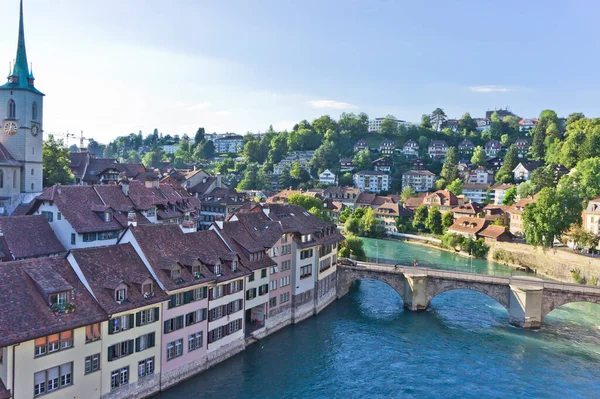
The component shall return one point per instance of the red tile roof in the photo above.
(29, 237)
(492, 231)
(105, 268)
(466, 224)
(24, 289)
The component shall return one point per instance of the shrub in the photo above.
(577, 277)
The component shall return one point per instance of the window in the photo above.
(173, 324)
(144, 342)
(176, 274)
(107, 235)
(73, 238)
(263, 273)
(122, 349)
(286, 265)
(273, 302)
(119, 377)
(59, 216)
(195, 341)
(263, 289)
(92, 332)
(12, 109)
(147, 289)
(305, 271)
(53, 343)
(199, 293)
(34, 114)
(217, 313)
(217, 269)
(234, 266)
(48, 215)
(250, 294)
(32, 172)
(146, 367)
(31, 186)
(274, 269)
(121, 295)
(120, 323)
(273, 285)
(147, 316)
(52, 379)
(59, 299)
(307, 253)
(196, 317)
(285, 297)
(89, 237)
(14, 179)
(217, 292)
(174, 349)
(176, 300)
(284, 281)
(284, 239)
(251, 277)
(92, 363)
(286, 249)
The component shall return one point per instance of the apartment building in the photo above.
(372, 181)
(419, 180)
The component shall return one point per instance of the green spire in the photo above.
(21, 68)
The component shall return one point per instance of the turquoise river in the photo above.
(366, 345)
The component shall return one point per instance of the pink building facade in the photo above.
(280, 286)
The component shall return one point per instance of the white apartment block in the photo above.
(372, 181)
(419, 180)
(375, 124)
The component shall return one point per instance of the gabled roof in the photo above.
(28, 237)
(530, 166)
(105, 268)
(492, 231)
(470, 208)
(393, 209)
(418, 173)
(466, 224)
(26, 313)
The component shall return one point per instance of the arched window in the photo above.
(12, 109)
(34, 111)
(14, 179)
(31, 186)
(1, 178)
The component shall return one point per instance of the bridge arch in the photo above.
(500, 293)
(347, 276)
(554, 299)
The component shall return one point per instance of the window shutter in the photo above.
(187, 297)
(187, 319)
(151, 340)
(131, 320)
(248, 295)
(130, 345)
(172, 302)
(204, 314)
(205, 292)
(156, 313)
(179, 322)
(138, 319)
(137, 344)
(228, 308)
(110, 353)
(111, 327)
(166, 326)
(211, 292)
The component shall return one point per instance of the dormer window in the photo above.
(234, 265)
(147, 289)
(107, 217)
(58, 299)
(218, 269)
(121, 295)
(176, 273)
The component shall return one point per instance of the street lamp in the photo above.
(377, 247)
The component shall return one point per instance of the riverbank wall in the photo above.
(554, 263)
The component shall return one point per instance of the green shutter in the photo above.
(131, 320)
(151, 340)
(110, 353)
(138, 319)
(172, 302)
(111, 327)
(205, 292)
(156, 313)
(179, 322)
(137, 344)
(187, 319)
(187, 297)
(166, 326)
(131, 347)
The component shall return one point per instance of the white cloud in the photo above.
(203, 105)
(331, 104)
(490, 89)
(223, 113)
(283, 125)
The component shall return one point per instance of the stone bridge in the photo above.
(527, 299)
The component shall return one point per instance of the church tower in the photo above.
(21, 115)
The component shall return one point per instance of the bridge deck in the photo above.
(523, 281)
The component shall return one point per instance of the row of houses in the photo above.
(160, 305)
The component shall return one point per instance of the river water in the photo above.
(367, 345)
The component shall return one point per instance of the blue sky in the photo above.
(119, 66)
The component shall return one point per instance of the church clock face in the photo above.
(35, 130)
(10, 128)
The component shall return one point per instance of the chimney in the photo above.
(219, 180)
(125, 187)
(131, 217)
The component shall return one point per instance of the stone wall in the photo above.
(303, 306)
(280, 318)
(183, 372)
(143, 387)
(554, 263)
(225, 352)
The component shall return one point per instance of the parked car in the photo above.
(347, 261)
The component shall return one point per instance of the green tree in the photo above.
(527, 189)
(323, 124)
(420, 217)
(306, 201)
(552, 214)
(447, 220)
(326, 157)
(511, 160)
(199, 136)
(389, 126)
(278, 148)
(450, 168)
(467, 124)
(456, 186)
(133, 157)
(152, 158)
(356, 247)
(251, 151)
(407, 192)
(368, 222)
(510, 196)
(451, 241)
(426, 121)
(345, 214)
(251, 179)
(352, 225)
(362, 160)
(434, 221)
(478, 158)
(438, 119)
(285, 180)
(346, 179)
(56, 162)
(585, 179)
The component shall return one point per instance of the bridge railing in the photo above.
(467, 268)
